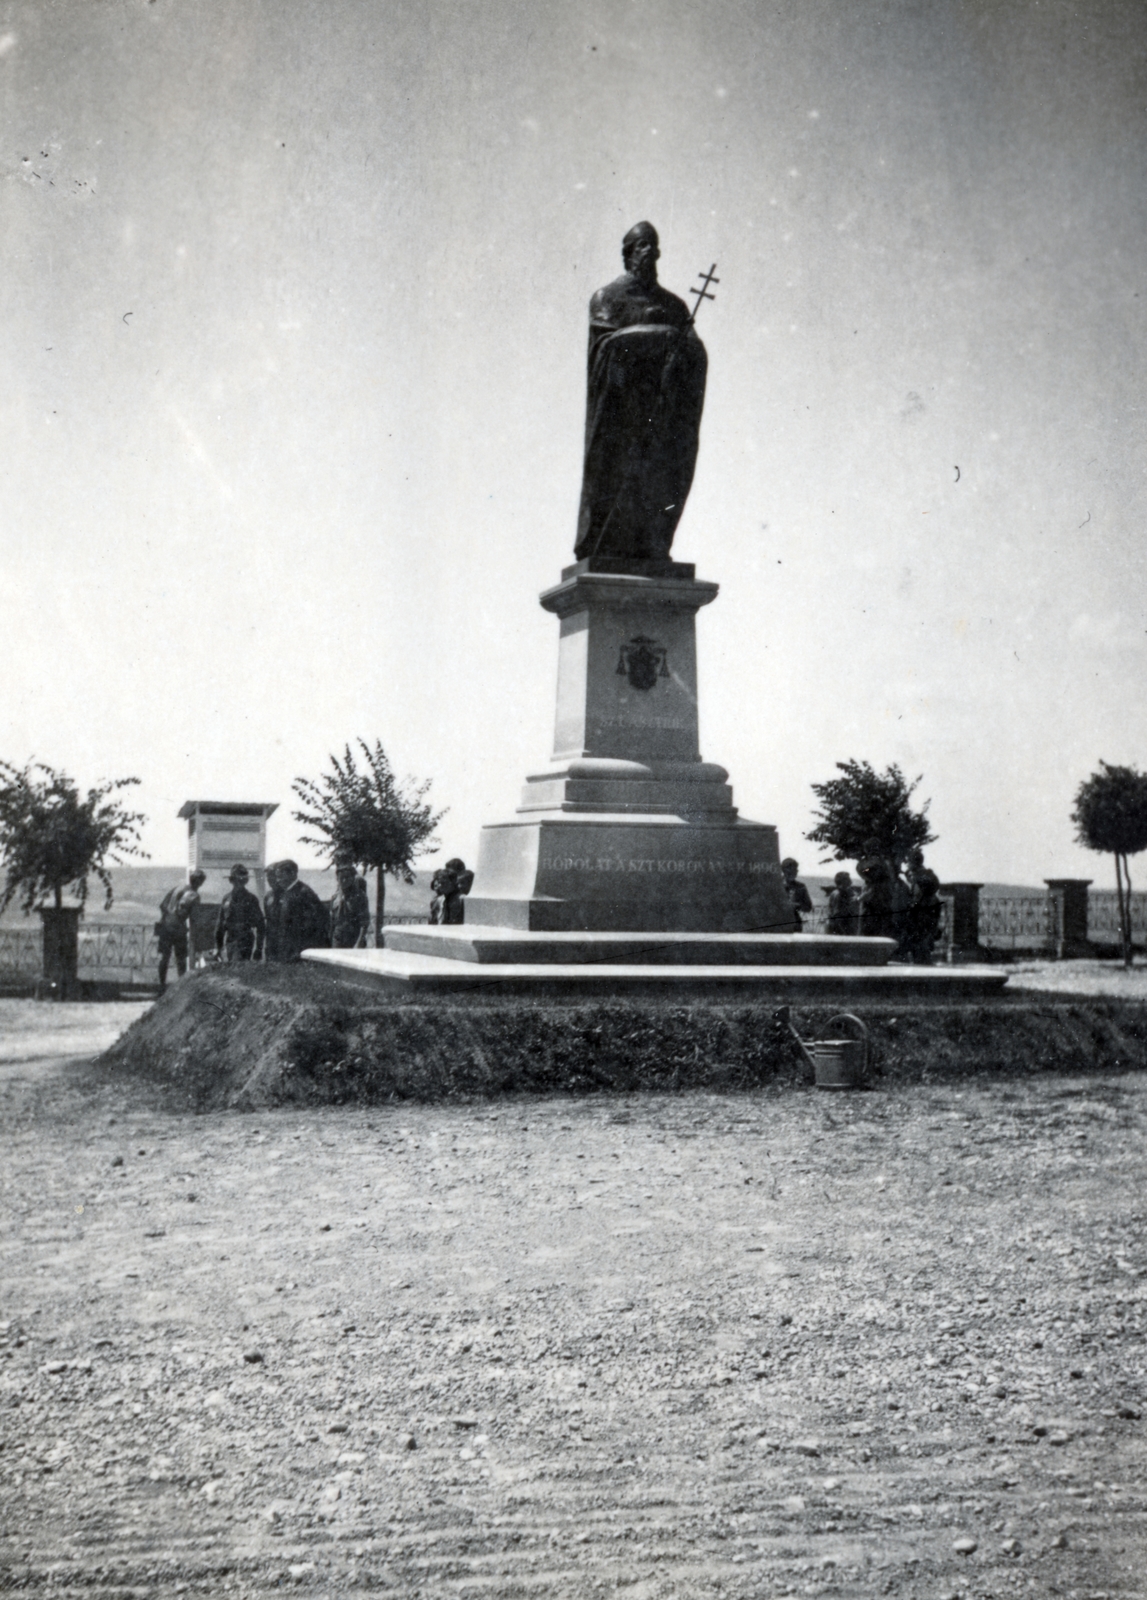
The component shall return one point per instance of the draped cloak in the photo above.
(645, 391)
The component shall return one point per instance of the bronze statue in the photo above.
(645, 392)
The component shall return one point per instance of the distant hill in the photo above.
(138, 891)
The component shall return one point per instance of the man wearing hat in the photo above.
(241, 927)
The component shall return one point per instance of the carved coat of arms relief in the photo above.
(643, 661)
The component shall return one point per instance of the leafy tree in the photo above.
(368, 817)
(51, 839)
(865, 804)
(1111, 814)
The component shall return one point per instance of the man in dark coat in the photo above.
(241, 926)
(304, 922)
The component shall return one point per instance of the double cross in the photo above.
(702, 292)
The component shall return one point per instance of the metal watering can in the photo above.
(837, 1063)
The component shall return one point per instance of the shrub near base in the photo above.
(276, 1036)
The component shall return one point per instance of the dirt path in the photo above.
(751, 1345)
(42, 1029)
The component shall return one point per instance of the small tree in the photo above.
(368, 817)
(1111, 814)
(52, 840)
(865, 804)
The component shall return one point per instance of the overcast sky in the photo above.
(294, 318)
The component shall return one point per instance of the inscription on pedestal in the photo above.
(651, 864)
(644, 722)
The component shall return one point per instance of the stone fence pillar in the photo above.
(62, 950)
(965, 898)
(1069, 898)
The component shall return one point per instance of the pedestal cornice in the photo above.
(617, 591)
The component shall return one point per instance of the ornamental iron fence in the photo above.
(21, 952)
(1018, 922)
(1103, 915)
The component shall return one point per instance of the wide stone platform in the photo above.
(411, 974)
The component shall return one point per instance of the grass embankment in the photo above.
(295, 1036)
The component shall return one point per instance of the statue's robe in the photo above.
(645, 392)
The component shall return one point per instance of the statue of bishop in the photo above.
(645, 392)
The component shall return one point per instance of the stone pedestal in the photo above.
(965, 898)
(628, 829)
(62, 950)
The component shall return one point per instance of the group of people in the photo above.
(887, 906)
(290, 919)
(448, 886)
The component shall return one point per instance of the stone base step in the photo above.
(475, 943)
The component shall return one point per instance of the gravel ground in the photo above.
(748, 1345)
(1091, 978)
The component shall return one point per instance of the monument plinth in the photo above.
(628, 829)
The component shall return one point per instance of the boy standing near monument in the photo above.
(272, 912)
(843, 906)
(171, 930)
(350, 910)
(799, 898)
